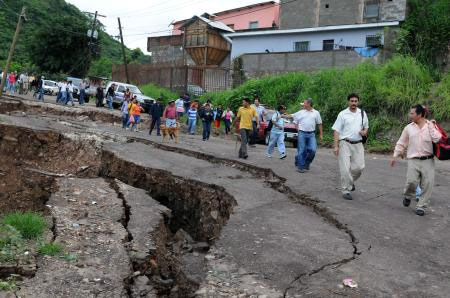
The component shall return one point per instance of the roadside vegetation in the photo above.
(21, 237)
(155, 91)
(387, 92)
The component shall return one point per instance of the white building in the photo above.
(309, 39)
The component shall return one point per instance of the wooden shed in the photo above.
(204, 42)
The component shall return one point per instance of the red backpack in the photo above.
(442, 148)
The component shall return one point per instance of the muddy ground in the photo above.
(138, 218)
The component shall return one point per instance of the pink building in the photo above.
(257, 16)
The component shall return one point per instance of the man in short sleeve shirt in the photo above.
(350, 126)
(245, 115)
(307, 119)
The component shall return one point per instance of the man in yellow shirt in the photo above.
(245, 116)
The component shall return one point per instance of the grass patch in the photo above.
(155, 91)
(50, 249)
(30, 224)
(69, 257)
(12, 244)
(8, 285)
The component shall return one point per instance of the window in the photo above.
(371, 10)
(253, 25)
(327, 5)
(328, 45)
(373, 41)
(121, 89)
(301, 46)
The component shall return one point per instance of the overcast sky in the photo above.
(143, 18)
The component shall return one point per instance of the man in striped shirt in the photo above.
(192, 119)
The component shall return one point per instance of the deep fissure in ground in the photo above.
(146, 182)
(32, 160)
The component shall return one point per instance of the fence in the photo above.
(179, 78)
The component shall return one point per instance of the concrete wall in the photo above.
(298, 14)
(340, 12)
(393, 10)
(258, 65)
(313, 13)
(285, 42)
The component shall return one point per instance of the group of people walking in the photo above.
(15, 82)
(194, 111)
(350, 133)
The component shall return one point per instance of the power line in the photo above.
(219, 20)
(165, 10)
(136, 10)
(148, 33)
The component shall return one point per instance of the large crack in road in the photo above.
(200, 209)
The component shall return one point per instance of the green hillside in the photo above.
(54, 40)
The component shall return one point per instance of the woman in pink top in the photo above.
(228, 117)
(170, 115)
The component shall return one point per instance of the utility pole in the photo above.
(11, 50)
(123, 52)
(93, 27)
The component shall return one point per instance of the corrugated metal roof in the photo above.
(314, 29)
(214, 24)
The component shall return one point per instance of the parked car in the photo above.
(290, 130)
(145, 101)
(76, 83)
(50, 87)
(195, 90)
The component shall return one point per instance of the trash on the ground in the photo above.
(94, 203)
(349, 282)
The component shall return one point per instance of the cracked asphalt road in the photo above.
(302, 253)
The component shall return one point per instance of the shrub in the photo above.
(155, 91)
(440, 104)
(50, 249)
(11, 243)
(29, 224)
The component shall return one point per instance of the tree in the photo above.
(426, 31)
(62, 47)
(101, 68)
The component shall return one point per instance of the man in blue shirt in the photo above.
(277, 133)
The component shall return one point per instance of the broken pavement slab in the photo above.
(145, 215)
(95, 263)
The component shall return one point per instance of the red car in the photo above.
(290, 130)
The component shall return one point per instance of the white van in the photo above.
(145, 101)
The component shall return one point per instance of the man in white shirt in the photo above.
(350, 127)
(261, 112)
(69, 93)
(307, 119)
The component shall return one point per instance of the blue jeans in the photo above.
(192, 126)
(125, 120)
(109, 101)
(206, 130)
(276, 138)
(41, 94)
(69, 97)
(58, 96)
(306, 149)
